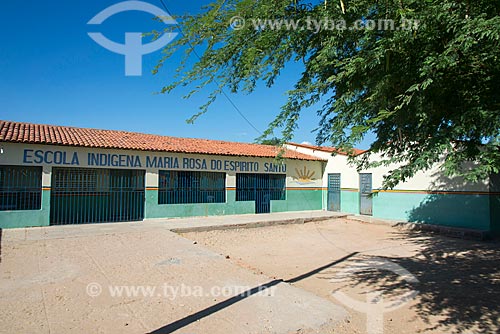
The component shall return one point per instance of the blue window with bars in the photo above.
(183, 187)
(250, 186)
(20, 188)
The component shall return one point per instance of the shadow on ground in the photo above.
(176, 325)
(459, 282)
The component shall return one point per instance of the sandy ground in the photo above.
(65, 280)
(389, 279)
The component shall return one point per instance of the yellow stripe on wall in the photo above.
(349, 189)
(427, 192)
(399, 191)
(435, 192)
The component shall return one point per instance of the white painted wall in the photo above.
(430, 180)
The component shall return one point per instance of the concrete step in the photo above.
(263, 223)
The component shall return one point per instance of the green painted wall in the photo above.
(349, 201)
(231, 207)
(27, 218)
(299, 200)
(470, 211)
(324, 199)
(495, 214)
(495, 203)
(397, 205)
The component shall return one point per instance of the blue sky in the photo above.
(51, 72)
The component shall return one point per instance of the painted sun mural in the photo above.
(304, 175)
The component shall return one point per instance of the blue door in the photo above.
(262, 194)
(333, 199)
(365, 194)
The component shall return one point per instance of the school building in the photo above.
(54, 175)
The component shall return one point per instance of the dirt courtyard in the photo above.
(143, 278)
(425, 283)
(333, 276)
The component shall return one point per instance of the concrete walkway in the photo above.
(176, 224)
(143, 278)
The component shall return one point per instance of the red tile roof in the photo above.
(29, 133)
(328, 149)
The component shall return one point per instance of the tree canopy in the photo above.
(424, 77)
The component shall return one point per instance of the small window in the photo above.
(183, 187)
(79, 180)
(20, 188)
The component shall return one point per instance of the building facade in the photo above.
(53, 175)
(429, 197)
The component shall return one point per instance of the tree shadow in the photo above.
(176, 325)
(459, 282)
